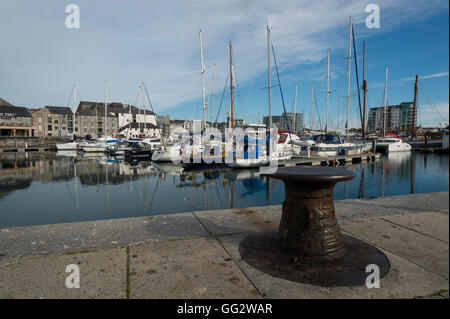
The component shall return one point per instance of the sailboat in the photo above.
(285, 144)
(173, 151)
(329, 144)
(390, 143)
(102, 143)
(70, 146)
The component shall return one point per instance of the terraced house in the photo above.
(15, 121)
(121, 119)
(54, 121)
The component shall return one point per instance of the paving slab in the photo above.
(404, 280)
(435, 225)
(192, 268)
(393, 205)
(427, 252)
(59, 238)
(102, 275)
(425, 202)
(239, 220)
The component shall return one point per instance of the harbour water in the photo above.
(37, 189)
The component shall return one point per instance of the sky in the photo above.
(157, 42)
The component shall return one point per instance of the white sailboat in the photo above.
(173, 150)
(333, 144)
(70, 146)
(386, 143)
(102, 143)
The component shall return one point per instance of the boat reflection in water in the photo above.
(66, 187)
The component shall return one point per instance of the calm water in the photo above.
(43, 189)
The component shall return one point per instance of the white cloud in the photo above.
(127, 42)
(432, 115)
(412, 79)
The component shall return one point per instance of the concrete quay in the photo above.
(196, 254)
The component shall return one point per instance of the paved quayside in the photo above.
(196, 255)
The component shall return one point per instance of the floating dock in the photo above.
(339, 160)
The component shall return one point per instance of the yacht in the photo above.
(99, 145)
(168, 153)
(332, 145)
(392, 144)
(71, 146)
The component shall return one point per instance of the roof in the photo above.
(3, 102)
(17, 111)
(59, 110)
(135, 125)
(88, 108)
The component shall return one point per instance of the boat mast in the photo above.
(349, 67)
(364, 87)
(269, 77)
(231, 88)
(294, 127)
(385, 104)
(106, 109)
(212, 94)
(131, 119)
(139, 109)
(203, 79)
(328, 91)
(312, 106)
(74, 110)
(145, 109)
(413, 129)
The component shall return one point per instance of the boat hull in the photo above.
(94, 149)
(67, 146)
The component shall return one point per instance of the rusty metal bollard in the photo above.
(309, 246)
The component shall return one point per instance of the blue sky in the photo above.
(157, 42)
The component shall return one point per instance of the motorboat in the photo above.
(153, 142)
(71, 146)
(99, 145)
(392, 144)
(289, 142)
(168, 153)
(139, 151)
(333, 145)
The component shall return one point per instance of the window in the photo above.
(49, 134)
(56, 121)
(49, 128)
(49, 119)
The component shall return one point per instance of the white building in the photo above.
(90, 120)
(139, 130)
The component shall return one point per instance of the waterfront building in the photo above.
(399, 118)
(286, 120)
(136, 130)
(53, 121)
(90, 118)
(15, 120)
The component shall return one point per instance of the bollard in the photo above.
(309, 247)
